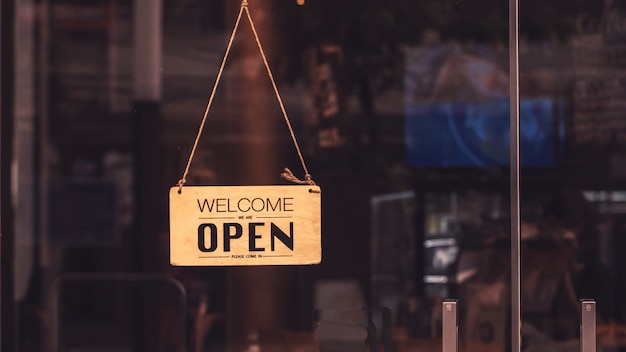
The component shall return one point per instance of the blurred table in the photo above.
(417, 345)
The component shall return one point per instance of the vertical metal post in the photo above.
(588, 326)
(450, 327)
(515, 177)
(146, 115)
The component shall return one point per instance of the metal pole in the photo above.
(588, 326)
(515, 177)
(450, 327)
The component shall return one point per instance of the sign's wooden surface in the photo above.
(245, 225)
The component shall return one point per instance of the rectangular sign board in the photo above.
(245, 225)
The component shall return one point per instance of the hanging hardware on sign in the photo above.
(287, 174)
(246, 225)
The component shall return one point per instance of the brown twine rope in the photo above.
(287, 174)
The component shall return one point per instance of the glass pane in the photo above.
(570, 59)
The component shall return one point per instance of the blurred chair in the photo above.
(140, 280)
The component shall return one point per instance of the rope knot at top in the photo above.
(244, 3)
(289, 176)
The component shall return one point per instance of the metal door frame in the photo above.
(516, 320)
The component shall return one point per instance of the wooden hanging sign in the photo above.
(245, 225)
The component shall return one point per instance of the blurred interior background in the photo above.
(402, 111)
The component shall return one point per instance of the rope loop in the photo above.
(180, 184)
